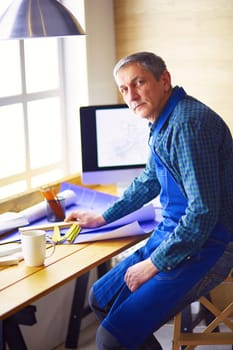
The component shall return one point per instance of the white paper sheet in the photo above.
(131, 229)
(11, 220)
(146, 213)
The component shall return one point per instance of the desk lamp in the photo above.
(37, 19)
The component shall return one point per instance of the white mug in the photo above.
(34, 247)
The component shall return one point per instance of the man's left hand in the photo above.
(139, 273)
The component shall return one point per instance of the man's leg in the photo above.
(210, 280)
(100, 313)
(164, 287)
(151, 343)
(105, 340)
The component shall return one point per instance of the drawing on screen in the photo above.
(122, 139)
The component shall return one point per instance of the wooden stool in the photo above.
(207, 337)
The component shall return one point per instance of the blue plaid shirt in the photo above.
(197, 148)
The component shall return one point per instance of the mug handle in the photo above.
(49, 239)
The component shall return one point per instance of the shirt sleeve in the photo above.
(142, 190)
(195, 162)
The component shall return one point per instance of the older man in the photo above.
(191, 167)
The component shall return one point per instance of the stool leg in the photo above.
(176, 332)
(208, 316)
(186, 319)
(186, 322)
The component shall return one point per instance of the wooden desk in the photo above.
(21, 285)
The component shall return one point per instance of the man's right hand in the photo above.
(86, 218)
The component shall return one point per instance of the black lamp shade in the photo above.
(38, 18)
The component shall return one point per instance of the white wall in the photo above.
(100, 51)
(88, 67)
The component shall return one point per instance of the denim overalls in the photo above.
(135, 315)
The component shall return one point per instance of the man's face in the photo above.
(144, 95)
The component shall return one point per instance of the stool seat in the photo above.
(208, 336)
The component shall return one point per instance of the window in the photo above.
(30, 115)
(33, 125)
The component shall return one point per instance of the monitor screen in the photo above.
(114, 144)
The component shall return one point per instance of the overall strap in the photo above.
(178, 94)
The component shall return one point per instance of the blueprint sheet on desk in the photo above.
(139, 222)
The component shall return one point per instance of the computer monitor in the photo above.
(114, 144)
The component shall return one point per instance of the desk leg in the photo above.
(103, 268)
(2, 338)
(13, 335)
(10, 332)
(76, 315)
(78, 311)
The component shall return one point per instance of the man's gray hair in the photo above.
(147, 60)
